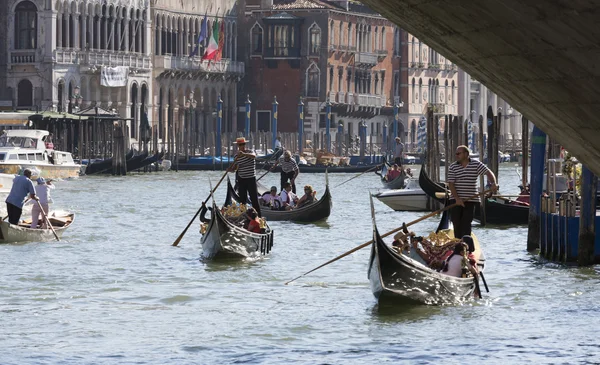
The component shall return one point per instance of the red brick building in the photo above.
(318, 50)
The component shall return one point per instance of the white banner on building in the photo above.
(114, 76)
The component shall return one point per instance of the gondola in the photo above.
(317, 211)
(330, 168)
(136, 162)
(223, 239)
(398, 278)
(98, 167)
(397, 183)
(497, 211)
(23, 233)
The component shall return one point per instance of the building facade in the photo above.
(320, 51)
(58, 52)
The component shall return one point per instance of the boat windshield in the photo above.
(23, 142)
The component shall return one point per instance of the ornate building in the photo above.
(125, 56)
(339, 51)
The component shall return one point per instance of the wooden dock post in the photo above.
(587, 218)
(483, 220)
(538, 152)
(524, 149)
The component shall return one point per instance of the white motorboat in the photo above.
(411, 198)
(27, 149)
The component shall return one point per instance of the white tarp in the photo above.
(114, 76)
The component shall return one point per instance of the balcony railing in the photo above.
(23, 56)
(363, 100)
(341, 97)
(352, 49)
(350, 98)
(367, 59)
(197, 64)
(106, 58)
(332, 96)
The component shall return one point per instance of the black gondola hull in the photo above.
(396, 277)
(315, 212)
(224, 240)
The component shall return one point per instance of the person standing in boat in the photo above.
(289, 170)
(462, 180)
(398, 152)
(43, 193)
(246, 174)
(22, 187)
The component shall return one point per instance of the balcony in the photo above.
(366, 59)
(438, 108)
(197, 64)
(351, 49)
(282, 52)
(23, 56)
(362, 100)
(381, 54)
(349, 99)
(102, 58)
(331, 96)
(341, 97)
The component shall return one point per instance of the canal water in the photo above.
(115, 291)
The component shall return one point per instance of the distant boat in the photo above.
(410, 198)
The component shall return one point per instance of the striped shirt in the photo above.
(246, 166)
(288, 166)
(465, 178)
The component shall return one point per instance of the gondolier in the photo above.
(398, 152)
(246, 174)
(21, 188)
(289, 170)
(462, 180)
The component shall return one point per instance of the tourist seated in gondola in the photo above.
(408, 244)
(288, 198)
(309, 197)
(455, 264)
(253, 223)
(271, 199)
(393, 173)
(523, 198)
(409, 172)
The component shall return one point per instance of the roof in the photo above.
(15, 118)
(56, 115)
(31, 133)
(300, 4)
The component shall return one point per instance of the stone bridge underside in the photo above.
(542, 56)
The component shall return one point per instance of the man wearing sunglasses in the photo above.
(462, 180)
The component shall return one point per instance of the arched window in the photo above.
(420, 91)
(24, 94)
(315, 39)
(396, 42)
(25, 25)
(313, 75)
(382, 47)
(331, 33)
(415, 96)
(341, 34)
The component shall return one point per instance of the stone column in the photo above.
(67, 31)
(98, 34)
(84, 28)
(126, 36)
(59, 18)
(159, 41)
(76, 33)
(118, 32)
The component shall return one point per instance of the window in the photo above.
(281, 40)
(323, 121)
(414, 91)
(332, 34)
(25, 25)
(331, 79)
(350, 35)
(312, 81)
(315, 39)
(341, 34)
(257, 39)
(397, 42)
(382, 47)
(396, 83)
(24, 94)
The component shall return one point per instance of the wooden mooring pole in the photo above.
(587, 218)
(538, 152)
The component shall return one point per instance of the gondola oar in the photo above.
(198, 212)
(47, 220)
(352, 178)
(484, 282)
(263, 166)
(385, 235)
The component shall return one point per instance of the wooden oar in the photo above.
(352, 178)
(47, 220)
(484, 282)
(385, 235)
(263, 175)
(198, 212)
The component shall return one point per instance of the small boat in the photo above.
(314, 212)
(23, 233)
(330, 168)
(397, 183)
(223, 239)
(497, 210)
(26, 149)
(411, 198)
(136, 162)
(396, 277)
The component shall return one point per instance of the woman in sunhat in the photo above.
(246, 174)
(42, 190)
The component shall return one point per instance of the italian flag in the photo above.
(212, 50)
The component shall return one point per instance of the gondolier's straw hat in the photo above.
(241, 140)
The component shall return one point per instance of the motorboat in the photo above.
(22, 149)
(411, 198)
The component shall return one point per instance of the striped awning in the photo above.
(15, 119)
